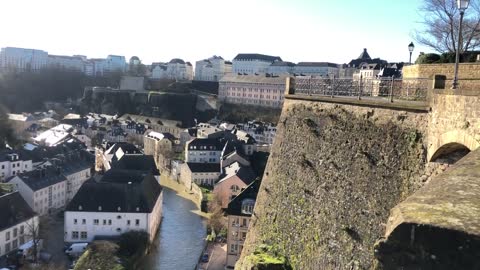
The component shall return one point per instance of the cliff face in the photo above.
(334, 173)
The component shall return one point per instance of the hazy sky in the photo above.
(158, 30)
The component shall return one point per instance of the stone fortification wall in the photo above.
(469, 74)
(334, 173)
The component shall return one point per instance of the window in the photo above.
(234, 188)
(128, 222)
(75, 221)
(84, 221)
(15, 232)
(247, 206)
(7, 236)
(104, 222)
(119, 217)
(83, 235)
(74, 235)
(22, 240)
(109, 222)
(95, 222)
(244, 222)
(7, 247)
(22, 229)
(15, 243)
(119, 230)
(137, 222)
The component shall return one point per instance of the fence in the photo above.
(386, 88)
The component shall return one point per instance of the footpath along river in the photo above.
(180, 241)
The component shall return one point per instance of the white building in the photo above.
(12, 164)
(22, 59)
(43, 189)
(18, 222)
(323, 69)
(263, 133)
(121, 201)
(48, 188)
(55, 135)
(204, 150)
(257, 90)
(251, 63)
(281, 67)
(176, 69)
(202, 174)
(66, 62)
(212, 69)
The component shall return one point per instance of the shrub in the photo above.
(428, 58)
(132, 242)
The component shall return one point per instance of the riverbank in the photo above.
(183, 192)
(181, 239)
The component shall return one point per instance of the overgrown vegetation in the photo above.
(6, 131)
(235, 113)
(100, 255)
(268, 257)
(46, 85)
(433, 58)
(132, 247)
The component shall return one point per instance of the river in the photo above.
(180, 241)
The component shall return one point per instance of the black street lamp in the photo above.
(462, 5)
(410, 49)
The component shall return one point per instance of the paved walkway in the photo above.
(217, 257)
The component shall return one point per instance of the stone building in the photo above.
(258, 90)
(252, 63)
(239, 212)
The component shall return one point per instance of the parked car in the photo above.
(204, 258)
(76, 250)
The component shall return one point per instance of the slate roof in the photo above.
(282, 64)
(203, 144)
(250, 192)
(4, 155)
(316, 64)
(177, 61)
(14, 210)
(256, 56)
(144, 163)
(42, 178)
(203, 167)
(364, 55)
(117, 196)
(127, 148)
(244, 173)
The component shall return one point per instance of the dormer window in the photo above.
(138, 209)
(234, 188)
(80, 207)
(247, 206)
(99, 208)
(119, 209)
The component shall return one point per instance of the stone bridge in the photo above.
(368, 183)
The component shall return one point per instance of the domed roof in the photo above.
(134, 58)
(177, 61)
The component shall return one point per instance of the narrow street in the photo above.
(53, 234)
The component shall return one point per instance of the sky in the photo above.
(159, 30)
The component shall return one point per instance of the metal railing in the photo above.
(386, 88)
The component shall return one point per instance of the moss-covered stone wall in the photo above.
(334, 173)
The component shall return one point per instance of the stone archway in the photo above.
(451, 141)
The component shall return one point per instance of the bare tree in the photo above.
(32, 231)
(441, 21)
